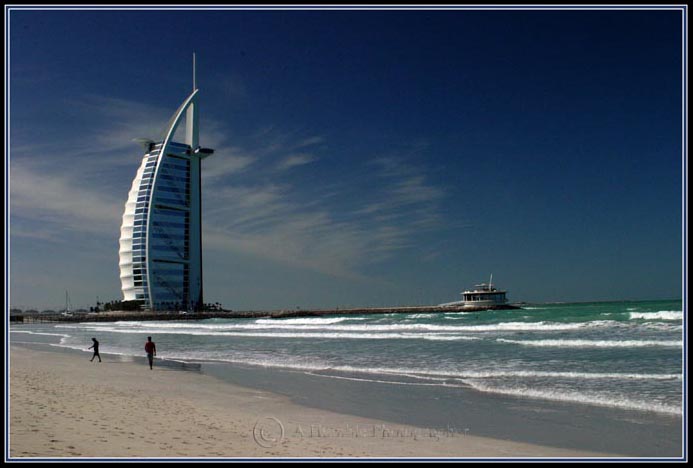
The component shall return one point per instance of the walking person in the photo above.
(96, 350)
(150, 349)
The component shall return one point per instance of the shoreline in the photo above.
(62, 405)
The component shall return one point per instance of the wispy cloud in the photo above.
(231, 161)
(114, 123)
(310, 141)
(273, 221)
(295, 160)
(252, 203)
(60, 205)
(405, 191)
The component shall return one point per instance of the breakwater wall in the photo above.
(113, 316)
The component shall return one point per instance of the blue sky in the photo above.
(362, 157)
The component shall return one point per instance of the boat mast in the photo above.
(490, 282)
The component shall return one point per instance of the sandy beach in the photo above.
(62, 405)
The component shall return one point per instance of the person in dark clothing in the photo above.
(150, 349)
(96, 350)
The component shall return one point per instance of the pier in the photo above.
(113, 316)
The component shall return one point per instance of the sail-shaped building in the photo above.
(160, 237)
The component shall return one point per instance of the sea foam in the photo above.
(166, 327)
(594, 343)
(590, 398)
(661, 315)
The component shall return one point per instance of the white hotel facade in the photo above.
(160, 237)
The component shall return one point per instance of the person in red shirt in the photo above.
(150, 349)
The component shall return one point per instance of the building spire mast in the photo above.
(194, 81)
(192, 119)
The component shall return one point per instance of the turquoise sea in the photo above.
(625, 355)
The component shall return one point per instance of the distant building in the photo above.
(161, 238)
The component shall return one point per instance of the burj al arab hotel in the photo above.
(160, 237)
